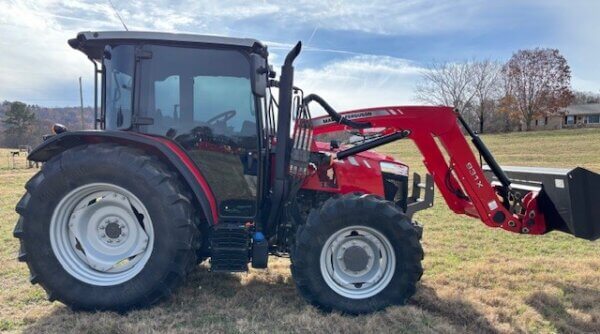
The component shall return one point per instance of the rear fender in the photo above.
(165, 149)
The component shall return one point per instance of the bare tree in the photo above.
(486, 87)
(470, 86)
(537, 84)
(449, 84)
(585, 97)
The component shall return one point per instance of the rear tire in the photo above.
(151, 228)
(357, 254)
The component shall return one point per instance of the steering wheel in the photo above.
(222, 117)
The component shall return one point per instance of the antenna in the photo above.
(117, 13)
(81, 100)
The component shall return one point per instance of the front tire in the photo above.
(357, 254)
(106, 227)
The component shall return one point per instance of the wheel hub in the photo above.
(357, 258)
(113, 231)
(357, 262)
(109, 235)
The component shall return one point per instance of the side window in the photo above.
(226, 104)
(118, 78)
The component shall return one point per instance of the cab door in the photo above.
(203, 100)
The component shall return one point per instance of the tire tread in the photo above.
(165, 181)
(337, 211)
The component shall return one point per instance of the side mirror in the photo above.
(260, 72)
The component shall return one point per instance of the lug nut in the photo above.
(511, 223)
(525, 230)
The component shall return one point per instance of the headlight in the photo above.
(393, 168)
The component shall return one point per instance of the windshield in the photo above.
(118, 80)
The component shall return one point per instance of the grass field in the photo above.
(476, 279)
(10, 161)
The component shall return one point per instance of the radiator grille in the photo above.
(396, 189)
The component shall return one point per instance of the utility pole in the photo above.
(81, 100)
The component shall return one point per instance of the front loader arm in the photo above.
(459, 177)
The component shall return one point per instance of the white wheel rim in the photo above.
(101, 234)
(357, 262)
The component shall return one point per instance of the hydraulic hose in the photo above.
(334, 114)
(486, 154)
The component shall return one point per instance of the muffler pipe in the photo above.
(283, 149)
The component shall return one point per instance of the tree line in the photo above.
(494, 96)
(23, 124)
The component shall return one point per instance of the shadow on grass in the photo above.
(577, 310)
(456, 311)
(260, 302)
(205, 302)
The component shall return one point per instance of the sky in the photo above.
(356, 53)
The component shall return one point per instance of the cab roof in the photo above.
(92, 43)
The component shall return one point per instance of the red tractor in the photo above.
(194, 158)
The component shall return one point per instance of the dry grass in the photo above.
(9, 161)
(476, 279)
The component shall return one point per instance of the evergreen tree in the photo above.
(18, 120)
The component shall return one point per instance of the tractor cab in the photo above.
(204, 93)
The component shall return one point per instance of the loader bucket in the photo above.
(569, 198)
